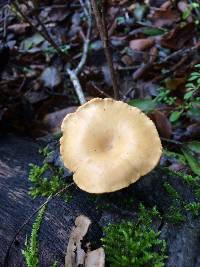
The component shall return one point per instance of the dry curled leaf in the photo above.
(76, 256)
(162, 123)
(52, 121)
(177, 38)
(163, 16)
(51, 77)
(95, 258)
(141, 44)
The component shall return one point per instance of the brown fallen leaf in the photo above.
(52, 121)
(164, 15)
(18, 28)
(177, 38)
(162, 123)
(141, 44)
(127, 60)
(176, 83)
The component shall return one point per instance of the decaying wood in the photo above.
(16, 206)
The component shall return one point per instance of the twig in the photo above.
(101, 25)
(77, 86)
(181, 53)
(171, 141)
(88, 12)
(6, 260)
(100, 91)
(5, 16)
(73, 74)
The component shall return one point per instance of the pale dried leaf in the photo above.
(51, 77)
(75, 254)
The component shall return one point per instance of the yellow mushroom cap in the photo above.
(108, 145)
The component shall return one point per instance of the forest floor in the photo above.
(155, 51)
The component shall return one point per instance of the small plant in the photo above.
(45, 151)
(135, 243)
(194, 208)
(175, 212)
(188, 11)
(171, 191)
(42, 186)
(175, 215)
(193, 84)
(31, 251)
(190, 101)
(174, 155)
(164, 97)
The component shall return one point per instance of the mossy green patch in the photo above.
(135, 243)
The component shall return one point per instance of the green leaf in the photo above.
(188, 95)
(194, 146)
(153, 31)
(190, 85)
(191, 160)
(193, 77)
(194, 110)
(31, 42)
(175, 115)
(143, 104)
(186, 13)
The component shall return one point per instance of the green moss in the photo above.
(175, 211)
(179, 206)
(175, 215)
(135, 243)
(171, 191)
(31, 251)
(179, 157)
(43, 186)
(194, 208)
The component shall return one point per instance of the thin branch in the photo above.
(171, 141)
(100, 91)
(50, 198)
(87, 12)
(73, 74)
(77, 86)
(44, 34)
(101, 25)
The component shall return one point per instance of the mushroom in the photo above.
(108, 145)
